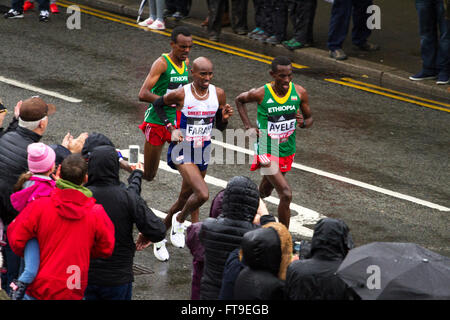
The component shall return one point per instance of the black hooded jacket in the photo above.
(262, 255)
(13, 162)
(125, 207)
(315, 278)
(222, 235)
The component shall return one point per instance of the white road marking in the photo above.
(304, 215)
(39, 90)
(343, 179)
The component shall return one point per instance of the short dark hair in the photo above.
(280, 61)
(74, 168)
(179, 30)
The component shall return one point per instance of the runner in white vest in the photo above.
(202, 105)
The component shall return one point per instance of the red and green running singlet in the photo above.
(173, 78)
(277, 122)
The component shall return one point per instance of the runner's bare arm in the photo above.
(158, 68)
(253, 95)
(304, 107)
(175, 97)
(225, 110)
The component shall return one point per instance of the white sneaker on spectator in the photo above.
(160, 250)
(146, 22)
(157, 25)
(177, 232)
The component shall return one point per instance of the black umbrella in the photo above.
(141, 9)
(388, 270)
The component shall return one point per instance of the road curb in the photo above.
(373, 72)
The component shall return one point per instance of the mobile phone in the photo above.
(133, 159)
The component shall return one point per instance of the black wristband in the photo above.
(158, 104)
(303, 125)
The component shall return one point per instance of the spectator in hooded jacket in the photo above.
(70, 228)
(111, 278)
(315, 278)
(222, 235)
(235, 263)
(267, 252)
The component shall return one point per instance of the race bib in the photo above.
(281, 127)
(199, 130)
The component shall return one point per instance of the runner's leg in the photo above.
(279, 182)
(152, 156)
(195, 179)
(185, 193)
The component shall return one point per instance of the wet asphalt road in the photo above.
(377, 140)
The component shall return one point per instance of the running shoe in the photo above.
(272, 40)
(177, 232)
(294, 44)
(442, 79)
(28, 5)
(157, 25)
(423, 76)
(54, 8)
(179, 16)
(367, 46)
(160, 250)
(13, 14)
(44, 15)
(146, 23)
(338, 54)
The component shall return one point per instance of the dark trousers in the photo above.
(18, 5)
(183, 6)
(258, 6)
(216, 9)
(341, 13)
(302, 13)
(434, 44)
(275, 18)
(12, 265)
(239, 15)
(122, 292)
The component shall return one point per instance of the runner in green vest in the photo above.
(281, 106)
(167, 73)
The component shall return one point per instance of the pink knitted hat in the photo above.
(41, 157)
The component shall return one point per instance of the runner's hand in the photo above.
(227, 112)
(177, 135)
(300, 119)
(253, 132)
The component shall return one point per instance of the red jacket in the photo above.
(70, 229)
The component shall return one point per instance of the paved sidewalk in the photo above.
(390, 67)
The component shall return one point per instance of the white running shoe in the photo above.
(146, 22)
(177, 232)
(160, 250)
(157, 25)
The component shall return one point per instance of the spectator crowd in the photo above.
(67, 221)
(67, 227)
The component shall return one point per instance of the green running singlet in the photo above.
(277, 122)
(173, 78)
